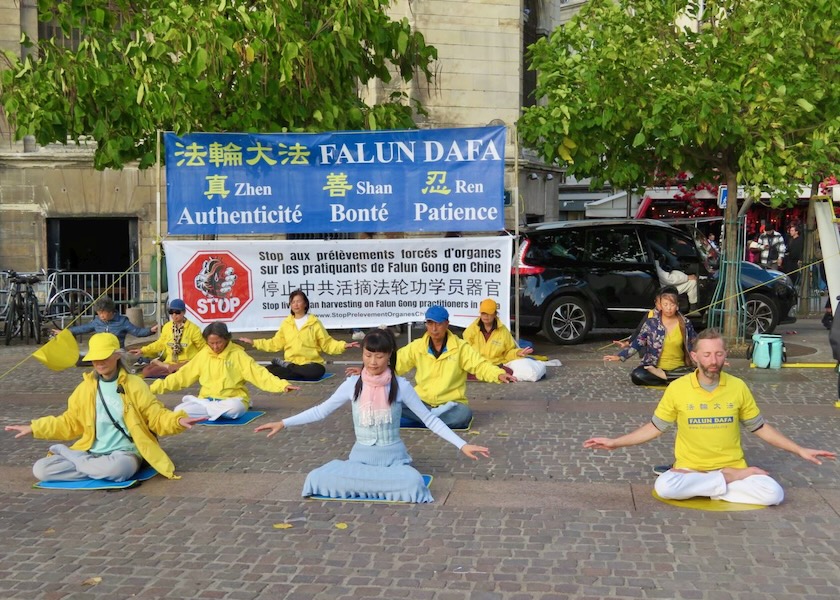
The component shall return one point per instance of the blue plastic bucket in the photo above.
(768, 351)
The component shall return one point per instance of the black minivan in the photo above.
(576, 275)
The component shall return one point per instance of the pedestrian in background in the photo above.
(773, 248)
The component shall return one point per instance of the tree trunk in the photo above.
(733, 254)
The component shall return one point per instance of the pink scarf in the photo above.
(373, 399)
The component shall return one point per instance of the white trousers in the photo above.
(755, 489)
(212, 408)
(73, 465)
(680, 281)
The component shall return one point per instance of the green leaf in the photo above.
(402, 42)
(639, 139)
(805, 105)
(200, 63)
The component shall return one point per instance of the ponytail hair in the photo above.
(381, 340)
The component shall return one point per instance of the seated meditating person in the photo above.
(657, 307)
(442, 361)
(108, 320)
(302, 338)
(179, 342)
(222, 368)
(666, 337)
(116, 418)
(379, 466)
(709, 407)
(488, 335)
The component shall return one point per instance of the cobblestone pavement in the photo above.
(541, 519)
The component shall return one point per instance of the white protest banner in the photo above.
(349, 283)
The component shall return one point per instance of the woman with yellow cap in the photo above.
(116, 418)
(491, 338)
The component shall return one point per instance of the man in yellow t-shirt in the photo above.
(708, 407)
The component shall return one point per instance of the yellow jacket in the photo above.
(221, 375)
(444, 379)
(191, 340)
(302, 346)
(499, 348)
(145, 417)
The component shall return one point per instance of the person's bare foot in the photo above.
(730, 474)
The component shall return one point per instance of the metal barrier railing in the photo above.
(132, 288)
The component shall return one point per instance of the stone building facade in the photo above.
(48, 194)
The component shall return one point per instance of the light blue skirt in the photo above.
(375, 472)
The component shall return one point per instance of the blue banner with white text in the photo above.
(431, 180)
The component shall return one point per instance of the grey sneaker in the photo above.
(659, 469)
(279, 362)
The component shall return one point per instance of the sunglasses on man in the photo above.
(172, 311)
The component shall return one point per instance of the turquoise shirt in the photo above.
(108, 438)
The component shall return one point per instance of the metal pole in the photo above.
(158, 242)
(516, 230)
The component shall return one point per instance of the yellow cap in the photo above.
(102, 346)
(488, 306)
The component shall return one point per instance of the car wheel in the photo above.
(567, 320)
(762, 314)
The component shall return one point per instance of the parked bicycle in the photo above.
(64, 306)
(21, 315)
(25, 317)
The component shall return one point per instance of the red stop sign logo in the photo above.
(216, 286)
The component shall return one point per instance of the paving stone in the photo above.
(542, 518)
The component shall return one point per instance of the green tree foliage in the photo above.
(739, 91)
(193, 65)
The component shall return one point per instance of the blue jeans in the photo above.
(457, 417)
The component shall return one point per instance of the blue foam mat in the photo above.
(427, 479)
(323, 377)
(143, 474)
(243, 420)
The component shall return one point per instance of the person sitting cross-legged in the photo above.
(222, 368)
(180, 340)
(488, 335)
(302, 338)
(709, 407)
(116, 418)
(666, 338)
(379, 465)
(442, 361)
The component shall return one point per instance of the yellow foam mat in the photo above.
(803, 366)
(700, 503)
